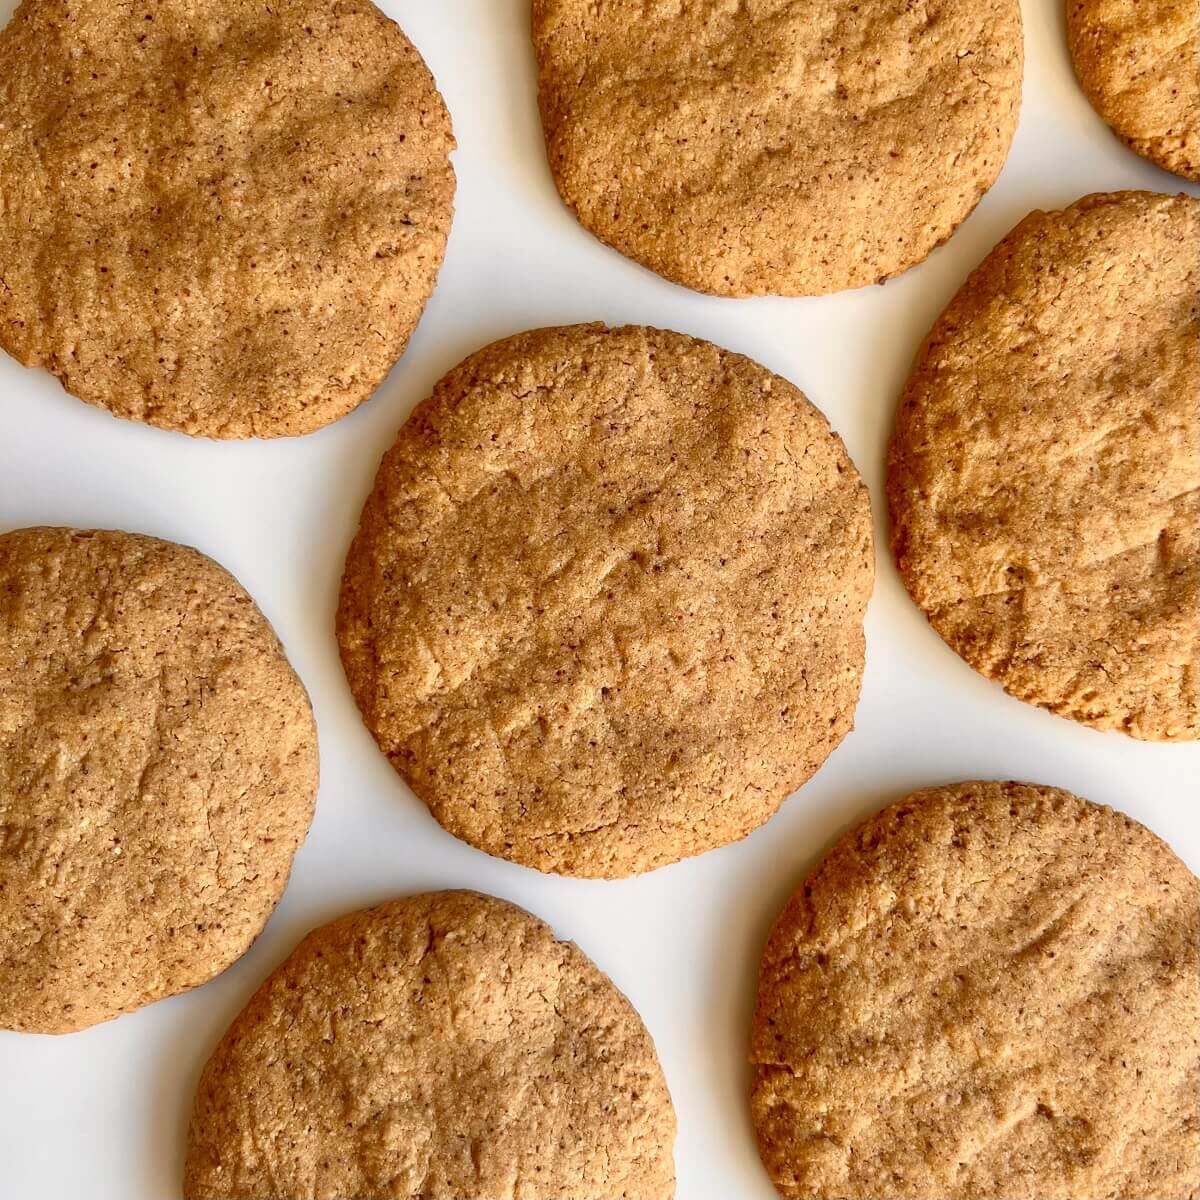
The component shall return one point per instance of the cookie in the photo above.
(773, 147)
(1138, 61)
(441, 1047)
(158, 769)
(604, 608)
(987, 990)
(1044, 477)
(220, 218)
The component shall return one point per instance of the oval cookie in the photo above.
(771, 147)
(1139, 63)
(221, 218)
(1044, 478)
(986, 990)
(604, 607)
(158, 769)
(441, 1047)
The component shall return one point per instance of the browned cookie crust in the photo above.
(1044, 480)
(1139, 63)
(221, 218)
(777, 147)
(158, 769)
(442, 1047)
(604, 609)
(989, 991)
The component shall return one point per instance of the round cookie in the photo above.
(1139, 63)
(604, 609)
(776, 148)
(441, 1047)
(221, 218)
(987, 990)
(1044, 477)
(158, 769)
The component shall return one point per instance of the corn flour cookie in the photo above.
(1138, 61)
(440, 1047)
(988, 991)
(221, 218)
(1044, 477)
(158, 769)
(604, 608)
(771, 147)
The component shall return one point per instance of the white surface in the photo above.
(101, 1115)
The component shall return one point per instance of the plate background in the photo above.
(101, 1115)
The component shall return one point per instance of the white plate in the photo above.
(102, 1115)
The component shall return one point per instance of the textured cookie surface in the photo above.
(776, 147)
(1139, 63)
(158, 769)
(988, 991)
(1044, 479)
(441, 1047)
(221, 218)
(604, 608)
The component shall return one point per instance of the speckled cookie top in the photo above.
(744, 147)
(158, 769)
(223, 218)
(604, 608)
(1139, 63)
(1044, 479)
(441, 1047)
(988, 990)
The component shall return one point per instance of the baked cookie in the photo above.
(221, 218)
(441, 1047)
(604, 609)
(1044, 478)
(158, 769)
(774, 147)
(1139, 63)
(988, 990)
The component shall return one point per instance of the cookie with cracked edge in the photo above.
(1138, 61)
(604, 607)
(158, 770)
(776, 148)
(220, 218)
(439, 1047)
(986, 990)
(1044, 475)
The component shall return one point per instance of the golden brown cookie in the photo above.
(158, 769)
(774, 147)
(988, 991)
(1044, 478)
(222, 218)
(441, 1047)
(1139, 63)
(604, 608)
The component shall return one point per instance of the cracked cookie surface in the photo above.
(604, 608)
(440, 1047)
(986, 990)
(1138, 61)
(750, 147)
(158, 770)
(1044, 477)
(220, 218)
